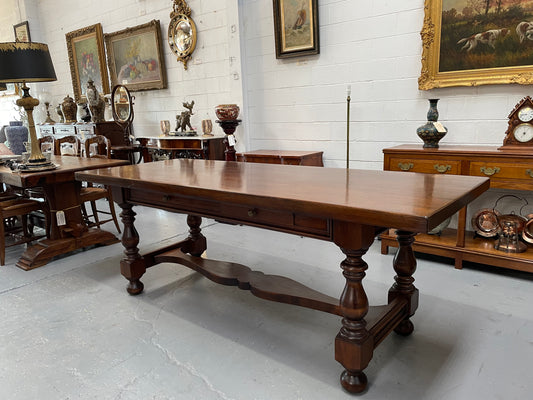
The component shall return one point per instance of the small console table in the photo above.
(506, 170)
(311, 158)
(170, 147)
(347, 207)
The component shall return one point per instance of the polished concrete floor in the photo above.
(69, 330)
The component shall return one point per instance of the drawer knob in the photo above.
(252, 212)
(405, 166)
(442, 168)
(166, 197)
(490, 171)
(529, 173)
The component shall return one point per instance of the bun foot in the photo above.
(135, 287)
(354, 383)
(405, 328)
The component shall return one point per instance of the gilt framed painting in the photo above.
(476, 42)
(296, 28)
(86, 57)
(135, 57)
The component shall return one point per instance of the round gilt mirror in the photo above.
(122, 104)
(182, 32)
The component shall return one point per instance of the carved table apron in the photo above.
(347, 207)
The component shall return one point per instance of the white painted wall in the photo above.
(375, 46)
(213, 76)
(300, 103)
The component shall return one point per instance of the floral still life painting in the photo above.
(135, 57)
(87, 60)
(474, 42)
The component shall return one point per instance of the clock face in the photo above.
(523, 133)
(525, 114)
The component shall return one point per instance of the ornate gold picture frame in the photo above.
(86, 56)
(135, 57)
(296, 28)
(468, 46)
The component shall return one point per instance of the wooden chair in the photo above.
(98, 147)
(47, 143)
(19, 208)
(73, 149)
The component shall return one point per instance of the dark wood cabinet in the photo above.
(290, 157)
(506, 170)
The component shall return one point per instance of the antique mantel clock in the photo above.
(519, 134)
(181, 32)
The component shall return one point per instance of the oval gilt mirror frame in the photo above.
(181, 32)
(122, 104)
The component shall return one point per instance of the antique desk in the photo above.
(347, 207)
(291, 157)
(510, 170)
(170, 147)
(62, 194)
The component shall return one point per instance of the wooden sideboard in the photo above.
(506, 170)
(290, 157)
(171, 147)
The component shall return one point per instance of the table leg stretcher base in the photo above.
(379, 320)
(43, 251)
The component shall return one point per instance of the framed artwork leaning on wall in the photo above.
(135, 57)
(86, 56)
(296, 28)
(468, 43)
(22, 32)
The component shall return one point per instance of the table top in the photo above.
(66, 167)
(280, 153)
(169, 137)
(415, 202)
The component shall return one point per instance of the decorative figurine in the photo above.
(60, 113)
(183, 120)
(96, 103)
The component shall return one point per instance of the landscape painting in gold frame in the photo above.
(467, 43)
(296, 28)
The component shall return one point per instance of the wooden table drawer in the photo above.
(499, 170)
(426, 166)
(285, 220)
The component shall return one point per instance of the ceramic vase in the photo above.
(432, 131)
(69, 109)
(227, 112)
(16, 135)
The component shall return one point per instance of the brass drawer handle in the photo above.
(405, 166)
(166, 197)
(252, 212)
(529, 173)
(442, 168)
(490, 171)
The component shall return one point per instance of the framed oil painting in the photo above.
(86, 56)
(22, 32)
(476, 42)
(296, 28)
(135, 57)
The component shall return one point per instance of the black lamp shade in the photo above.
(25, 62)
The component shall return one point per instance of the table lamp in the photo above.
(22, 62)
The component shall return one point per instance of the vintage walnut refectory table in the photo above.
(347, 207)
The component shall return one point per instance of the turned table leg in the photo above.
(354, 345)
(132, 266)
(197, 242)
(405, 266)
